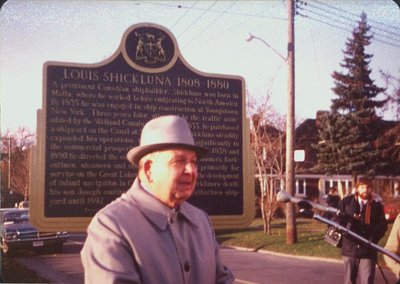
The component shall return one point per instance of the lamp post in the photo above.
(8, 164)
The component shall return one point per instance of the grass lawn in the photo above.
(310, 241)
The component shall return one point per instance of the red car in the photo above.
(391, 210)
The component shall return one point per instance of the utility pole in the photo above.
(291, 231)
(9, 164)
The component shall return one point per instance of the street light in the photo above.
(251, 37)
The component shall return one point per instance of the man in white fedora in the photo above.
(150, 234)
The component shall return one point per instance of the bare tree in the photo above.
(15, 150)
(268, 146)
(392, 93)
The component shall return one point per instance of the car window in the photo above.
(16, 217)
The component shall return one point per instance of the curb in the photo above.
(315, 258)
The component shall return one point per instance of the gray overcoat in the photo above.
(137, 239)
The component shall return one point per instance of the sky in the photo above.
(211, 36)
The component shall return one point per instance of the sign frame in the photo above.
(38, 160)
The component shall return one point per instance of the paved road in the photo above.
(265, 267)
(248, 267)
(63, 267)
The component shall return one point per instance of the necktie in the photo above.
(362, 211)
(362, 207)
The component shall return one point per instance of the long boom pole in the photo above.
(306, 204)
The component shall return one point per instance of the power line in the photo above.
(234, 26)
(250, 15)
(318, 63)
(327, 17)
(197, 19)
(210, 24)
(337, 21)
(260, 14)
(353, 14)
(347, 30)
(331, 12)
(183, 15)
(320, 12)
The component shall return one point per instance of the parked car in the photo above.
(18, 233)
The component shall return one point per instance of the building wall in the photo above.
(316, 187)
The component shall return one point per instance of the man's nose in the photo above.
(191, 168)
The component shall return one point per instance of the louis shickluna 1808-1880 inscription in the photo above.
(94, 114)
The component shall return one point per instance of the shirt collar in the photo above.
(362, 201)
(156, 211)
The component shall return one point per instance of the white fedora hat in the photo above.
(162, 133)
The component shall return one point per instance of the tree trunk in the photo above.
(264, 213)
(268, 223)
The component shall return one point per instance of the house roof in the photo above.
(306, 135)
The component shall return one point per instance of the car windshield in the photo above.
(16, 217)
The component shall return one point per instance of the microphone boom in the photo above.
(285, 197)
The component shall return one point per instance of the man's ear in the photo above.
(147, 170)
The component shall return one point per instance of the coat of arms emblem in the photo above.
(149, 48)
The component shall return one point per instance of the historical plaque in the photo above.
(93, 113)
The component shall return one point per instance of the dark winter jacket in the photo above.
(373, 231)
(333, 200)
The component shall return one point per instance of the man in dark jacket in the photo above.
(364, 216)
